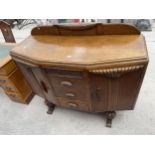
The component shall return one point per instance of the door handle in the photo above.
(97, 94)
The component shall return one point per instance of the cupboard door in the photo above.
(99, 93)
(45, 84)
(115, 93)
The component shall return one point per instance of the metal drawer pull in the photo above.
(70, 95)
(72, 104)
(66, 83)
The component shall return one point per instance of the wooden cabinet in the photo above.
(95, 68)
(12, 80)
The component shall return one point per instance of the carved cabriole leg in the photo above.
(51, 107)
(109, 116)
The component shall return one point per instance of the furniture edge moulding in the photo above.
(91, 67)
(117, 71)
(27, 62)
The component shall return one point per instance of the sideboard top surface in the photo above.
(81, 50)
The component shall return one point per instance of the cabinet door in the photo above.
(116, 93)
(45, 85)
(99, 92)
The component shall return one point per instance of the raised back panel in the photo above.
(91, 29)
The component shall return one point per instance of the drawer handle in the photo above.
(70, 95)
(2, 81)
(97, 93)
(12, 95)
(66, 83)
(72, 105)
(8, 88)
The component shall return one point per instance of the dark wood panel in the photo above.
(99, 92)
(86, 29)
(129, 86)
(115, 93)
(45, 85)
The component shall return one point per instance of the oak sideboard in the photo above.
(91, 68)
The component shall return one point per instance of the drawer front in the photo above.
(7, 85)
(74, 104)
(70, 88)
(15, 86)
(15, 82)
(9, 88)
(2, 81)
(7, 68)
(14, 96)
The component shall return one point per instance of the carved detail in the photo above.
(116, 72)
(110, 115)
(50, 106)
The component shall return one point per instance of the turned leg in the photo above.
(50, 106)
(109, 116)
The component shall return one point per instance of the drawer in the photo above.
(9, 88)
(14, 96)
(7, 84)
(69, 87)
(74, 104)
(65, 73)
(3, 81)
(7, 68)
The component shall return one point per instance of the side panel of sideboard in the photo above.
(28, 73)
